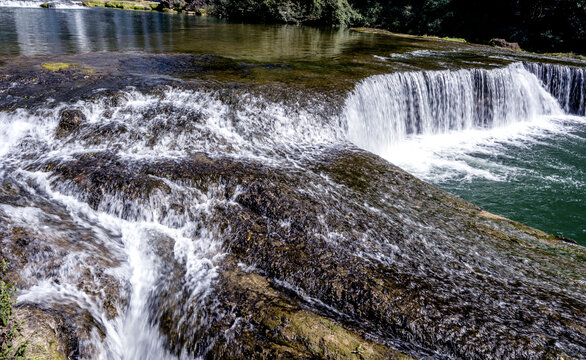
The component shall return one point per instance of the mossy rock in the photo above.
(44, 333)
(58, 66)
(94, 4)
(283, 330)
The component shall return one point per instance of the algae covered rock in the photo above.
(45, 333)
(58, 66)
(400, 279)
(282, 329)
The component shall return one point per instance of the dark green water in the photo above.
(537, 178)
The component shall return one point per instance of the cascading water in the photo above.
(565, 83)
(134, 209)
(60, 4)
(470, 129)
(139, 247)
(384, 110)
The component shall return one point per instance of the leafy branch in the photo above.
(10, 329)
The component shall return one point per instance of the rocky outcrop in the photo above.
(502, 43)
(46, 334)
(403, 276)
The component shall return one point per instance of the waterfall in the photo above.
(385, 109)
(133, 207)
(60, 4)
(566, 83)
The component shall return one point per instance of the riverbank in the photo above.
(124, 5)
(557, 28)
(517, 49)
(145, 6)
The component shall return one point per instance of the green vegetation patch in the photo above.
(569, 55)
(10, 328)
(386, 32)
(125, 5)
(447, 38)
(58, 66)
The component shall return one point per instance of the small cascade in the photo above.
(59, 4)
(565, 83)
(384, 109)
(134, 256)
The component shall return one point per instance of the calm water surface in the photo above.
(54, 31)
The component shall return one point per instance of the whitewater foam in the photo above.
(37, 4)
(468, 155)
(442, 125)
(437, 125)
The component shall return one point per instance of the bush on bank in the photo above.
(10, 329)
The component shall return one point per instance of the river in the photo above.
(185, 176)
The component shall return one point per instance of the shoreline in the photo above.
(384, 32)
(141, 6)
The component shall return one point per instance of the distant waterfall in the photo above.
(61, 4)
(385, 109)
(567, 84)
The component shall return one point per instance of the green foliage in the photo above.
(330, 12)
(543, 25)
(10, 329)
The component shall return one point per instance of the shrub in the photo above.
(10, 329)
(330, 12)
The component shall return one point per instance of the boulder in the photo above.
(70, 119)
(502, 43)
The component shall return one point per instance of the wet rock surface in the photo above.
(70, 120)
(46, 333)
(416, 270)
(261, 247)
(502, 43)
